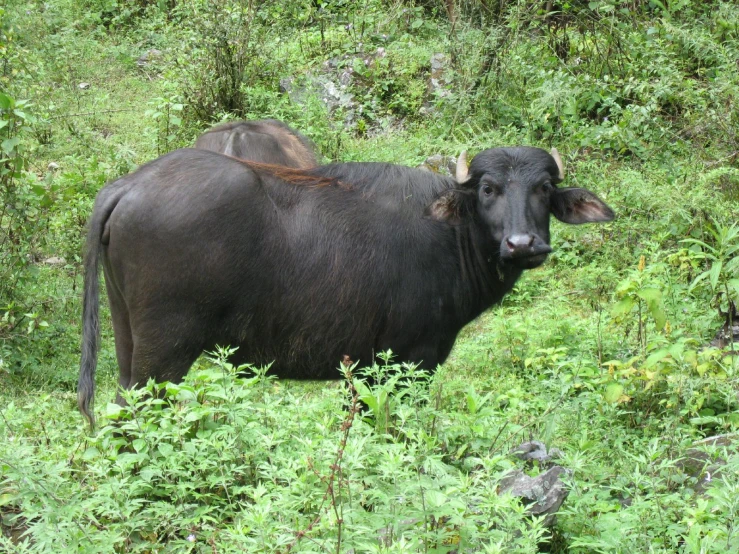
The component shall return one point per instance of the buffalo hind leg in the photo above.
(160, 360)
(123, 344)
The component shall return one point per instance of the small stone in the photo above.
(729, 333)
(84, 86)
(346, 77)
(701, 465)
(533, 450)
(331, 89)
(286, 85)
(536, 450)
(439, 81)
(148, 56)
(53, 166)
(438, 163)
(543, 495)
(556, 454)
(55, 260)
(439, 62)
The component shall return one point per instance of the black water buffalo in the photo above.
(302, 267)
(267, 141)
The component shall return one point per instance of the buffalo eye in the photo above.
(487, 190)
(546, 187)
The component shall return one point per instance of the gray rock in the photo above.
(287, 85)
(55, 260)
(333, 84)
(440, 75)
(148, 56)
(536, 450)
(53, 166)
(729, 333)
(542, 495)
(727, 439)
(556, 454)
(703, 466)
(347, 77)
(438, 163)
(84, 86)
(439, 82)
(325, 88)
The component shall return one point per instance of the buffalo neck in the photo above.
(483, 279)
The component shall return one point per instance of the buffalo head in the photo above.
(512, 191)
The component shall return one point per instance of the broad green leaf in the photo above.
(8, 145)
(697, 280)
(623, 306)
(366, 396)
(149, 473)
(625, 286)
(715, 273)
(186, 395)
(90, 454)
(650, 294)
(165, 449)
(113, 411)
(657, 356)
(701, 244)
(471, 401)
(658, 313)
(435, 499)
(6, 102)
(613, 392)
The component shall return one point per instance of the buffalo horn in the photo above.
(557, 159)
(462, 174)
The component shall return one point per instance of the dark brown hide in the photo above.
(268, 141)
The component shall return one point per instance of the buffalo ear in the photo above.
(576, 205)
(449, 207)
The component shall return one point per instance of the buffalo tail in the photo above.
(104, 205)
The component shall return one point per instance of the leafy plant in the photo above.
(23, 199)
(163, 112)
(723, 256)
(183, 464)
(639, 291)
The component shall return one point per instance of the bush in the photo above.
(242, 463)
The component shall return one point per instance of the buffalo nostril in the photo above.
(524, 246)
